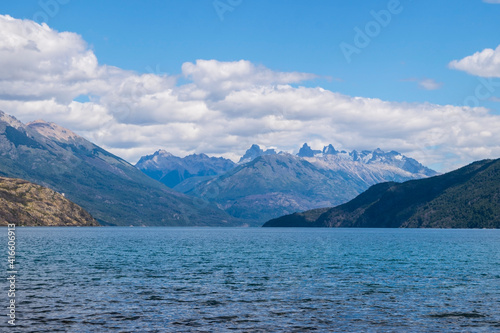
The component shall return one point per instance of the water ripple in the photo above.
(256, 280)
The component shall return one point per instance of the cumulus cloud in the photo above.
(485, 63)
(219, 78)
(222, 108)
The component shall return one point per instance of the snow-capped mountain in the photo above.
(266, 184)
(271, 184)
(372, 161)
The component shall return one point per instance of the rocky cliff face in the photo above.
(26, 204)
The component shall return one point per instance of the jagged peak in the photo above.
(12, 121)
(162, 152)
(254, 147)
(329, 150)
(306, 151)
(255, 151)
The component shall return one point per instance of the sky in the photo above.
(214, 77)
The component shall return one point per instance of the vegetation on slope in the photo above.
(466, 198)
(26, 204)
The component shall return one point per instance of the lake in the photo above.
(254, 280)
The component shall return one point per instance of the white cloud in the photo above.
(218, 78)
(222, 109)
(492, 1)
(426, 84)
(429, 84)
(485, 63)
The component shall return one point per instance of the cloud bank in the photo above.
(219, 108)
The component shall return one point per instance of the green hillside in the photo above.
(465, 198)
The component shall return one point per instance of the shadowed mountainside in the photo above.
(465, 198)
(271, 185)
(112, 190)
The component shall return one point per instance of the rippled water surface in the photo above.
(255, 280)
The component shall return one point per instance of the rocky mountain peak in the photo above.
(306, 151)
(253, 152)
(11, 121)
(52, 131)
(161, 153)
(329, 150)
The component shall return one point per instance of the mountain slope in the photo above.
(271, 185)
(172, 170)
(465, 198)
(25, 204)
(276, 184)
(112, 190)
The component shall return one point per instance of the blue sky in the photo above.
(302, 36)
(405, 60)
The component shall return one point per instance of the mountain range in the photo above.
(196, 189)
(465, 198)
(172, 170)
(266, 184)
(111, 189)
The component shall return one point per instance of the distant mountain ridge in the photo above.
(330, 156)
(112, 190)
(465, 198)
(172, 170)
(267, 184)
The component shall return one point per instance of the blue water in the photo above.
(255, 280)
